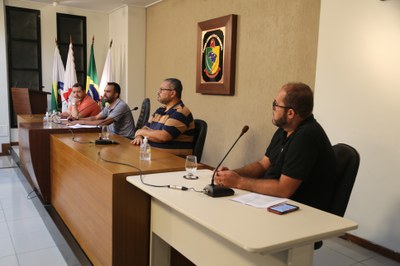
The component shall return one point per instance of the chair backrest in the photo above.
(200, 134)
(144, 114)
(347, 163)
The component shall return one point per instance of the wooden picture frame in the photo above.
(216, 56)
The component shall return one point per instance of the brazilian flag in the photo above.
(92, 87)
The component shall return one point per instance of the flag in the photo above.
(57, 79)
(108, 74)
(69, 77)
(92, 87)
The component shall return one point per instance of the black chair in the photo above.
(200, 133)
(347, 163)
(144, 114)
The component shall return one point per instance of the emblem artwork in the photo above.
(213, 55)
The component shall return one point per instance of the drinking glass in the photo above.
(105, 132)
(191, 167)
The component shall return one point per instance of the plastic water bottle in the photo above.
(47, 120)
(145, 150)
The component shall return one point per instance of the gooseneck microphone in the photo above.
(110, 119)
(217, 191)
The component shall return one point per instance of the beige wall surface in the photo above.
(276, 44)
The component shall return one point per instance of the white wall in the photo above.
(357, 101)
(4, 118)
(128, 31)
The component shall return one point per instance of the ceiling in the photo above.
(99, 5)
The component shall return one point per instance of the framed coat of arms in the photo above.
(216, 56)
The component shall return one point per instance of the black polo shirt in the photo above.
(306, 155)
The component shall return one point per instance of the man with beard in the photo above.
(117, 114)
(299, 163)
(171, 127)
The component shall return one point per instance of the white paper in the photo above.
(258, 200)
(82, 126)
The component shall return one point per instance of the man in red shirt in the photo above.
(80, 104)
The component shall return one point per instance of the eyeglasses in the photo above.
(161, 89)
(274, 105)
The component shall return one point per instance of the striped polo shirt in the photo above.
(178, 122)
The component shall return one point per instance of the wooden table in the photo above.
(34, 150)
(108, 217)
(218, 231)
(30, 118)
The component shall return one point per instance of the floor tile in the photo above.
(32, 241)
(11, 191)
(329, 257)
(9, 261)
(50, 256)
(6, 247)
(349, 249)
(17, 202)
(4, 230)
(26, 226)
(22, 212)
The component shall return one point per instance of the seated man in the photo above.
(299, 163)
(80, 104)
(171, 127)
(117, 114)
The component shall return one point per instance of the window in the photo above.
(24, 51)
(74, 26)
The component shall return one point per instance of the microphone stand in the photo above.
(217, 191)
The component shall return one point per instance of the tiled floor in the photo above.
(28, 236)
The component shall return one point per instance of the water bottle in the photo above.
(47, 120)
(145, 150)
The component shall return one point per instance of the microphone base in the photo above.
(218, 191)
(105, 142)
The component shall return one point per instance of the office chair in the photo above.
(347, 163)
(144, 114)
(200, 133)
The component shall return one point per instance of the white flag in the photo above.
(69, 78)
(57, 79)
(108, 74)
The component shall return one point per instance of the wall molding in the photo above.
(388, 253)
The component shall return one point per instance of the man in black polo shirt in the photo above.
(299, 163)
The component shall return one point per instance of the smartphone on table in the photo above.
(283, 208)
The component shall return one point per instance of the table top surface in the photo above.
(253, 229)
(30, 118)
(120, 158)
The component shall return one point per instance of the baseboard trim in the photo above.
(388, 253)
(5, 148)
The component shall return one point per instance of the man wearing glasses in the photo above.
(171, 127)
(299, 163)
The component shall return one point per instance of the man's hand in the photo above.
(226, 177)
(72, 123)
(137, 140)
(74, 100)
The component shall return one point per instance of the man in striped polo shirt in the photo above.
(171, 127)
